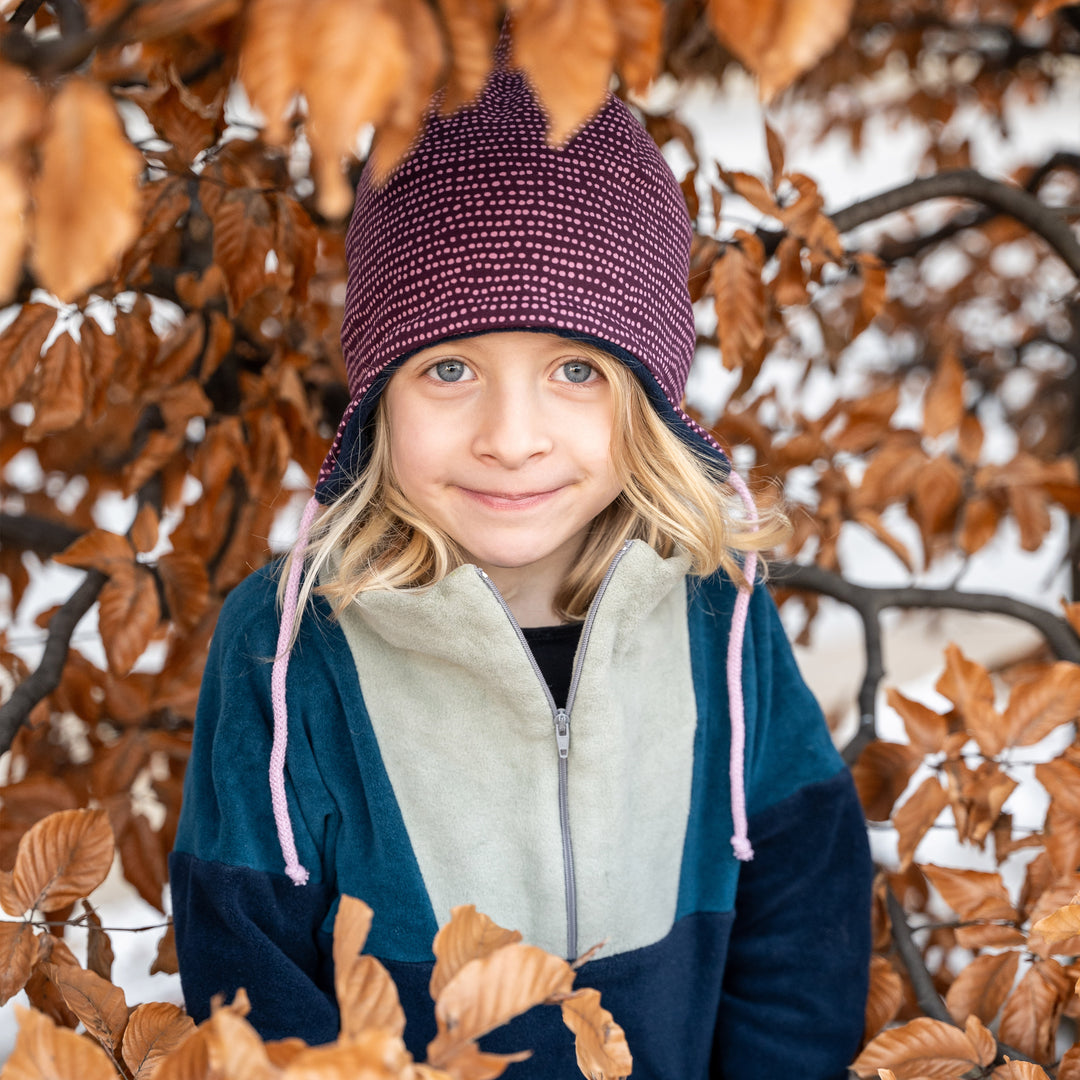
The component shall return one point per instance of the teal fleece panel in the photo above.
(787, 741)
(347, 806)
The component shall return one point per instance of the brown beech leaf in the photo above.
(62, 858)
(342, 95)
(972, 894)
(1021, 1070)
(1069, 1067)
(368, 999)
(283, 1051)
(351, 927)
(490, 991)
(872, 294)
(916, 817)
(789, 285)
(1029, 1021)
(882, 773)
(1061, 778)
(165, 961)
(234, 1048)
(470, 30)
(600, 1043)
(925, 728)
(1059, 926)
(739, 298)
(1038, 707)
(19, 948)
(944, 406)
(187, 587)
(979, 523)
(20, 349)
(367, 996)
(969, 687)
(144, 529)
(639, 25)
(753, 190)
(375, 1055)
(86, 195)
(128, 614)
(99, 950)
(14, 198)
(44, 1051)
(143, 857)
(780, 40)
(567, 48)
(982, 987)
(189, 1061)
(404, 119)
(96, 1002)
(926, 1047)
(98, 550)
(469, 935)
(154, 1031)
(970, 440)
(938, 490)
(271, 61)
(60, 393)
(885, 997)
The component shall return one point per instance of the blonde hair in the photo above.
(672, 498)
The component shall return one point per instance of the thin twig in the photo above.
(16, 710)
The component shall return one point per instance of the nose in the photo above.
(510, 426)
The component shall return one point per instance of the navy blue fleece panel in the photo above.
(238, 927)
(798, 960)
(664, 996)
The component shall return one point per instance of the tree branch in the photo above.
(37, 534)
(969, 184)
(869, 601)
(921, 981)
(46, 678)
(1059, 635)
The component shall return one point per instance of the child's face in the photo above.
(503, 441)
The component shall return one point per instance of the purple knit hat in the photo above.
(486, 227)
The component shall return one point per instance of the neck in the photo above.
(529, 594)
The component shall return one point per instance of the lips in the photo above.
(510, 500)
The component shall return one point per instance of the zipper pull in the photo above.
(562, 733)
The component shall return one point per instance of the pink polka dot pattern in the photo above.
(485, 227)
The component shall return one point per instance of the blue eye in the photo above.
(577, 371)
(449, 370)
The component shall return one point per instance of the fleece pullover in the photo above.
(423, 772)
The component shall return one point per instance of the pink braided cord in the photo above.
(740, 842)
(280, 669)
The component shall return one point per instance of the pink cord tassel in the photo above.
(740, 841)
(280, 669)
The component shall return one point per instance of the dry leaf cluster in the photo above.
(483, 977)
(173, 177)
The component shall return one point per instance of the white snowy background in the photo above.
(729, 125)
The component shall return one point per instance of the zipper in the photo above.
(561, 720)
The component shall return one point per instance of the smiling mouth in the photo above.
(510, 499)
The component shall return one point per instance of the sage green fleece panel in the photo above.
(468, 742)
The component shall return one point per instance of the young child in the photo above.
(520, 660)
